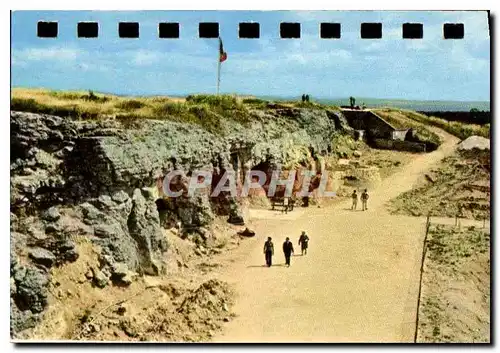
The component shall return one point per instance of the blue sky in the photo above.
(426, 69)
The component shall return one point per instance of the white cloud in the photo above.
(50, 53)
(145, 57)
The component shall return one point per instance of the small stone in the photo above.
(357, 154)
(226, 319)
(224, 307)
(204, 233)
(121, 310)
(53, 228)
(69, 292)
(52, 214)
(105, 201)
(247, 233)
(120, 196)
(66, 245)
(107, 230)
(100, 279)
(89, 274)
(94, 327)
(120, 269)
(42, 256)
(127, 280)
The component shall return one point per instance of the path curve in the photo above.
(358, 283)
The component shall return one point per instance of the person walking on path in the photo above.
(286, 202)
(269, 251)
(364, 199)
(288, 250)
(354, 197)
(303, 242)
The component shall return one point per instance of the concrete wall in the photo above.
(399, 145)
(374, 125)
(399, 134)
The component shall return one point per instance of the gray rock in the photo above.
(51, 215)
(53, 228)
(13, 288)
(119, 270)
(42, 256)
(21, 320)
(144, 227)
(108, 230)
(67, 251)
(105, 202)
(100, 280)
(31, 290)
(91, 214)
(120, 196)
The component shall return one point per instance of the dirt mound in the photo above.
(475, 142)
(459, 187)
(162, 312)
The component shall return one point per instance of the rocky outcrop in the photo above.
(100, 180)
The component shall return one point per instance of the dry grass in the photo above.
(459, 129)
(400, 120)
(206, 111)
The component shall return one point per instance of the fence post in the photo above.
(424, 251)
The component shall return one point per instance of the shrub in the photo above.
(94, 98)
(170, 108)
(222, 101)
(65, 95)
(130, 104)
(254, 101)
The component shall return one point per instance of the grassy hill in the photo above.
(204, 110)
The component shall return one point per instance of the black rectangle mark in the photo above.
(290, 30)
(128, 29)
(329, 30)
(208, 30)
(47, 29)
(453, 31)
(87, 29)
(249, 30)
(371, 30)
(413, 31)
(168, 30)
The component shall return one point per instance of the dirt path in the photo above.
(358, 283)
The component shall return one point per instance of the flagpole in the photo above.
(218, 73)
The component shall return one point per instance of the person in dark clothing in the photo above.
(304, 242)
(354, 197)
(269, 251)
(288, 250)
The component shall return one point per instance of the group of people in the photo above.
(364, 200)
(287, 249)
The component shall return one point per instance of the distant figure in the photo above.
(352, 102)
(303, 98)
(363, 106)
(364, 199)
(303, 242)
(269, 251)
(286, 202)
(307, 98)
(354, 200)
(288, 250)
